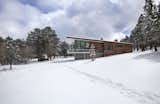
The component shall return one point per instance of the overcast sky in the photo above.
(109, 19)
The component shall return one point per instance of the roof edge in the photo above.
(101, 41)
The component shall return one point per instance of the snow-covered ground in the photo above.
(132, 78)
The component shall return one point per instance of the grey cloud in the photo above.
(104, 17)
(94, 18)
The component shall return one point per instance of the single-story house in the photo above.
(81, 48)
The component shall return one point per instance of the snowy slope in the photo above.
(122, 79)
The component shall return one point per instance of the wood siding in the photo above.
(116, 48)
(99, 47)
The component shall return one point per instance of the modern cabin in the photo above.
(81, 48)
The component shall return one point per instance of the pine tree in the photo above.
(51, 41)
(10, 51)
(64, 48)
(43, 42)
(22, 51)
(147, 31)
(1, 50)
(148, 7)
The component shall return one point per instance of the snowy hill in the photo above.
(122, 79)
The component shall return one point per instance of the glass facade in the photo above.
(79, 44)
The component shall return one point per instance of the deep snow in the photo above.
(132, 78)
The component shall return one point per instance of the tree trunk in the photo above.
(143, 49)
(137, 48)
(155, 48)
(151, 47)
(10, 66)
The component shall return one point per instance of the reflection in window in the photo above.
(79, 44)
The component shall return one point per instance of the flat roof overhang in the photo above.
(75, 38)
(98, 41)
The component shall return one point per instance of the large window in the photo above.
(108, 47)
(81, 44)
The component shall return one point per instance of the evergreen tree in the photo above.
(43, 42)
(22, 51)
(64, 48)
(147, 31)
(1, 50)
(33, 41)
(148, 7)
(10, 51)
(51, 41)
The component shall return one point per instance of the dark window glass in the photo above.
(119, 46)
(77, 44)
(81, 44)
(108, 47)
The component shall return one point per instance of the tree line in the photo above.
(42, 44)
(147, 30)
